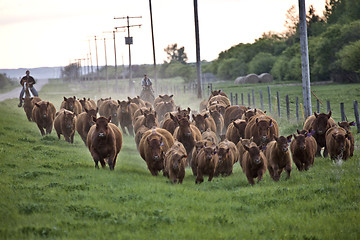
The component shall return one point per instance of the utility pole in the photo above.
(129, 41)
(198, 62)
(92, 70)
(304, 59)
(88, 66)
(153, 46)
(97, 60)
(106, 66)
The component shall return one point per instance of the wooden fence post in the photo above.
(236, 99)
(261, 100)
(269, 93)
(342, 110)
(297, 109)
(231, 98)
(317, 105)
(287, 107)
(253, 98)
(356, 111)
(242, 99)
(249, 100)
(278, 104)
(328, 106)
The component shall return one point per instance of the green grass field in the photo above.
(50, 188)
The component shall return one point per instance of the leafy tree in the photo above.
(70, 71)
(262, 63)
(231, 68)
(175, 54)
(349, 57)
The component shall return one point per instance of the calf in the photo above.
(337, 143)
(71, 104)
(87, 104)
(84, 121)
(254, 163)
(153, 146)
(303, 150)
(204, 121)
(236, 130)
(218, 119)
(164, 107)
(278, 156)
(241, 149)
(170, 124)
(346, 125)
(209, 135)
(233, 113)
(148, 120)
(228, 156)
(174, 163)
(109, 108)
(206, 162)
(250, 113)
(125, 114)
(64, 124)
(319, 124)
(43, 115)
(104, 141)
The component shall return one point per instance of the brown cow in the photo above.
(217, 92)
(141, 111)
(337, 143)
(174, 163)
(278, 156)
(153, 146)
(236, 130)
(87, 104)
(72, 104)
(241, 149)
(228, 156)
(101, 100)
(170, 124)
(109, 108)
(64, 123)
(219, 120)
(319, 124)
(204, 121)
(250, 113)
(262, 128)
(179, 113)
(197, 147)
(346, 125)
(206, 162)
(43, 115)
(164, 107)
(209, 135)
(125, 115)
(138, 101)
(104, 141)
(254, 163)
(187, 134)
(29, 103)
(84, 121)
(233, 113)
(148, 120)
(164, 98)
(303, 149)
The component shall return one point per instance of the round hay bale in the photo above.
(239, 80)
(251, 78)
(265, 78)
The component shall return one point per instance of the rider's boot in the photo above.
(20, 104)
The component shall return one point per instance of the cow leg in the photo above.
(325, 153)
(123, 128)
(271, 172)
(288, 170)
(199, 177)
(318, 151)
(276, 175)
(211, 175)
(96, 159)
(102, 162)
(260, 176)
(130, 130)
(41, 130)
(250, 179)
(48, 129)
(72, 137)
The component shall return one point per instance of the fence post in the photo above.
(211, 87)
(297, 109)
(287, 107)
(242, 99)
(253, 98)
(261, 100)
(278, 103)
(249, 100)
(236, 99)
(328, 106)
(317, 105)
(231, 98)
(356, 111)
(342, 110)
(269, 93)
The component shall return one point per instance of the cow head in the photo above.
(321, 123)
(263, 128)
(155, 142)
(240, 125)
(150, 120)
(346, 125)
(210, 151)
(199, 120)
(43, 106)
(223, 153)
(254, 153)
(69, 119)
(340, 139)
(178, 161)
(184, 126)
(124, 106)
(102, 126)
(283, 142)
(69, 103)
(90, 114)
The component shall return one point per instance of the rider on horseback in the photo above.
(146, 82)
(30, 81)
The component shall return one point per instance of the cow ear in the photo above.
(193, 116)
(264, 111)
(294, 136)
(129, 99)
(352, 123)
(206, 116)
(109, 119)
(297, 130)
(276, 138)
(65, 98)
(339, 124)
(246, 147)
(252, 139)
(160, 96)
(171, 95)
(189, 110)
(86, 110)
(270, 122)
(257, 120)
(74, 98)
(289, 138)
(329, 114)
(36, 104)
(94, 118)
(315, 114)
(97, 109)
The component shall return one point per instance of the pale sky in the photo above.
(48, 33)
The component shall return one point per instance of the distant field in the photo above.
(50, 189)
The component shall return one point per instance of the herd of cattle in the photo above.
(210, 141)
